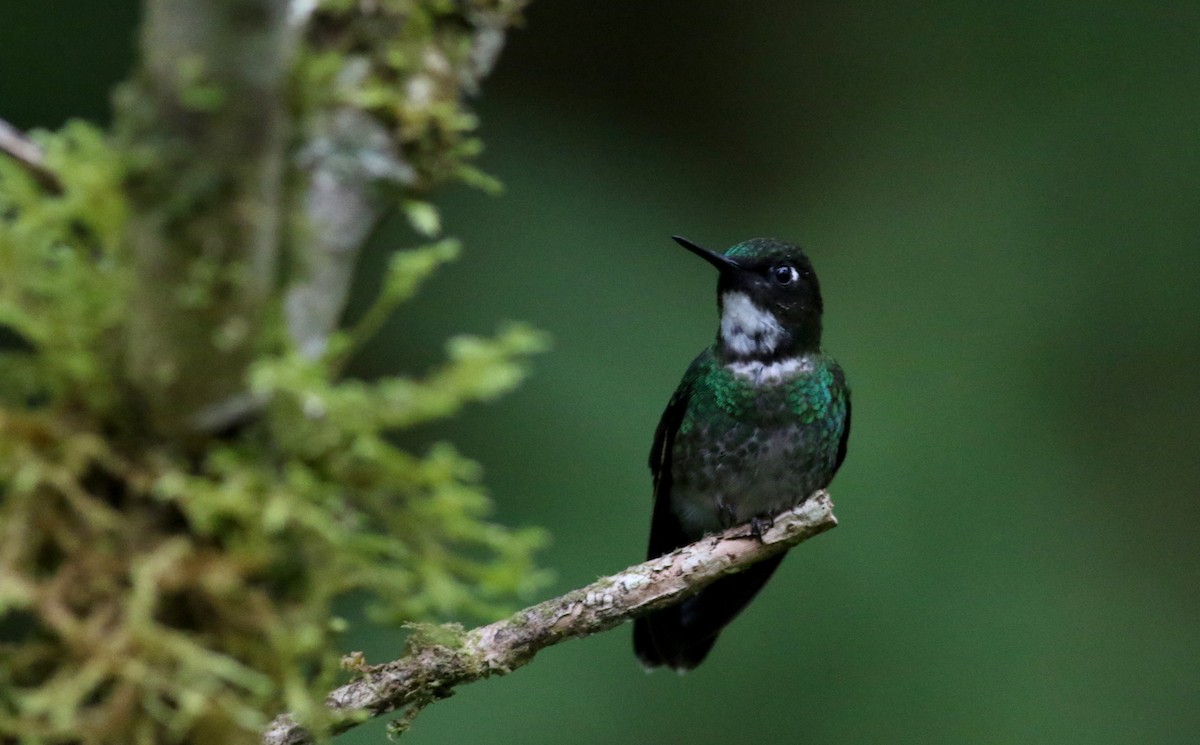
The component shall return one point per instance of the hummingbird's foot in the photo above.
(760, 524)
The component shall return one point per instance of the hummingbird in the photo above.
(759, 422)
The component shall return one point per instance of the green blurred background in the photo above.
(1003, 204)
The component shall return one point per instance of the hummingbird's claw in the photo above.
(760, 524)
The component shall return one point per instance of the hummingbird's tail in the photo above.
(680, 636)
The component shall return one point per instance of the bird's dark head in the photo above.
(769, 299)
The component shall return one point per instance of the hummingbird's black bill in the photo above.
(720, 262)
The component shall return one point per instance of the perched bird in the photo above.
(758, 423)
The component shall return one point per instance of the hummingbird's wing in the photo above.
(666, 533)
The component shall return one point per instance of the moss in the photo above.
(63, 275)
(151, 592)
(422, 635)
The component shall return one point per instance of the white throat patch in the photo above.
(747, 329)
(772, 373)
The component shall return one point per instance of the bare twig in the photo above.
(431, 670)
(20, 148)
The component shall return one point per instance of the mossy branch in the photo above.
(205, 125)
(166, 577)
(433, 666)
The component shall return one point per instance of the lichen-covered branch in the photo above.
(434, 666)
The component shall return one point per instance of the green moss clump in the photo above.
(62, 274)
(157, 591)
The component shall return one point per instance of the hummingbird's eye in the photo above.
(785, 274)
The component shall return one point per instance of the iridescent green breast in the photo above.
(755, 438)
(810, 389)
